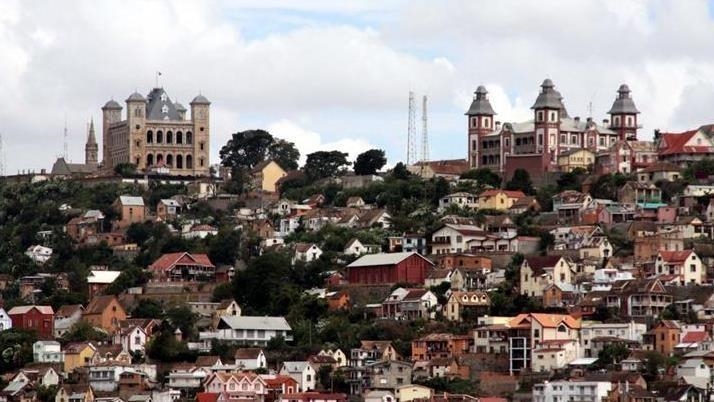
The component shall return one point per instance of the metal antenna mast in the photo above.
(411, 131)
(424, 132)
(64, 140)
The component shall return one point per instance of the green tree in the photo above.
(148, 308)
(369, 162)
(400, 172)
(83, 331)
(248, 148)
(224, 248)
(521, 181)
(125, 169)
(183, 318)
(613, 354)
(323, 164)
(483, 176)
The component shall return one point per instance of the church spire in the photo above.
(91, 149)
(91, 138)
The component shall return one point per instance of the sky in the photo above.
(331, 74)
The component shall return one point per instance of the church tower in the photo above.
(623, 115)
(200, 116)
(547, 111)
(480, 122)
(91, 149)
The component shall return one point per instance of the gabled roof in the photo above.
(384, 259)
(25, 309)
(660, 166)
(674, 257)
(509, 193)
(304, 247)
(676, 143)
(247, 353)
(68, 310)
(259, 323)
(295, 366)
(694, 337)
(160, 107)
(99, 303)
(129, 201)
(539, 263)
(168, 261)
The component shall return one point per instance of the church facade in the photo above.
(536, 144)
(156, 134)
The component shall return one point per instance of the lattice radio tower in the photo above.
(424, 132)
(411, 131)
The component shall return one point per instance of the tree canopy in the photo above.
(521, 181)
(248, 148)
(324, 164)
(483, 176)
(369, 162)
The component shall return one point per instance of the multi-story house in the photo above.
(372, 351)
(187, 379)
(569, 204)
(104, 312)
(387, 375)
(498, 199)
(306, 252)
(466, 305)
(640, 299)
(592, 331)
(47, 352)
(410, 304)
(440, 345)
(537, 332)
(683, 149)
(241, 385)
(563, 390)
(130, 209)
(34, 318)
(302, 372)
(664, 336)
(684, 266)
(539, 272)
(182, 267)
(460, 199)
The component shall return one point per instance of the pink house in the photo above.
(666, 214)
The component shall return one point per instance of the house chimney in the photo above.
(577, 118)
(498, 125)
(605, 122)
(656, 134)
(590, 119)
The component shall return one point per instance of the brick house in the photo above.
(105, 312)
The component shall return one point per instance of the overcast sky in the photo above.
(331, 74)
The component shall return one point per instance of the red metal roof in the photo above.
(675, 256)
(676, 143)
(168, 261)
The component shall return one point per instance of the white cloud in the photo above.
(308, 141)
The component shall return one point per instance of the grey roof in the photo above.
(136, 97)
(261, 323)
(480, 104)
(91, 138)
(548, 97)
(112, 104)
(200, 100)
(295, 366)
(563, 110)
(128, 200)
(62, 167)
(382, 259)
(160, 107)
(179, 107)
(623, 103)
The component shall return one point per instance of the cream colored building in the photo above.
(576, 158)
(498, 199)
(406, 393)
(266, 174)
(156, 133)
(537, 273)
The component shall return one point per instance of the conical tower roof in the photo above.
(91, 138)
(623, 103)
(480, 105)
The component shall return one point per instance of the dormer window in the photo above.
(163, 97)
(164, 109)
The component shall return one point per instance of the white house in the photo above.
(461, 199)
(39, 254)
(450, 238)
(200, 232)
(306, 252)
(355, 247)
(538, 272)
(132, 338)
(249, 330)
(250, 358)
(187, 378)
(47, 352)
(590, 330)
(685, 266)
(302, 372)
(337, 354)
(559, 391)
(5, 321)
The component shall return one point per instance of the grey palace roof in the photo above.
(623, 103)
(200, 100)
(136, 97)
(160, 106)
(548, 97)
(112, 104)
(480, 104)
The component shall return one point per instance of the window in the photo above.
(692, 268)
(179, 161)
(552, 116)
(540, 116)
(486, 122)
(201, 145)
(189, 137)
(169, 137)
(536, 333)
(308, 377)
(200, 162)
(574, 139)
(159, 137)
(473, 122)
(149, 137)
(473, 144)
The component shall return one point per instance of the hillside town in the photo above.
(562, 260)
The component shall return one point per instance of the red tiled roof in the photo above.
(695, 336)
(676, 143)
(675, 256)
(167, 261)
(207, 397)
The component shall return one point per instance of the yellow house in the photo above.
(78, 355)
(498, 199)
(266, 174)
(406, 393)
(576, 158)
